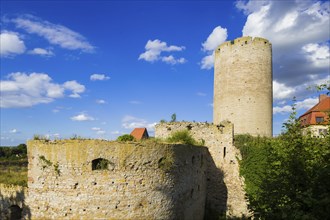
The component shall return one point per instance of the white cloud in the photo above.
(171, 60)
(131, 122)
(318, 54)
(13, 131)
(100, 77)
(26, 90)
(207, 62)
(298, 31)
(11, 44)
(96, 129)
(155, 48)
(82, 117)
(281, 91)
(217, 37)
(201, 94)
(75, 87)
(41, 52)
(282, 110)
(100, 101)
(55, 34)
(305, 104)
(100, 132)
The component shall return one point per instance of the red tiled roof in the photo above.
(140, 133)
(319, 110)
(322, 106)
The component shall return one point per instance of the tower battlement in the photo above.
(242, 41)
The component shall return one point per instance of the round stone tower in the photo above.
(243, 85)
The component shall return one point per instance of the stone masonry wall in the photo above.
(243, 85)
(225, 189)
(144, 180)
(12, 201)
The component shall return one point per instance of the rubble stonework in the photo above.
(225, 192)
(12, 201)
(141, 180)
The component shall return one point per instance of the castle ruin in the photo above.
(95, 179)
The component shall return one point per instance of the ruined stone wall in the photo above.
(225, 190)
(12, 201)
(145, 180)
(243, 85)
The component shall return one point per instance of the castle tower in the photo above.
(243, 85)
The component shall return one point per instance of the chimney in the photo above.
(322, 97)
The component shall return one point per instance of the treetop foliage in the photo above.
(287, 177)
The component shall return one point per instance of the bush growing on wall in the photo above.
(182, 137)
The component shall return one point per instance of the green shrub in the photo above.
(287, 177)
(183, 137)
(126, 137)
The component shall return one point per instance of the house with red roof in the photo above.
(140, 133)
(316, 119)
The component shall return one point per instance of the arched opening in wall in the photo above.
(15, 212)
(100, 164)
(224, 152)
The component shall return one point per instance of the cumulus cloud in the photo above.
(217, 37)
(154, 50)
(26, 90)
(82, 117)
(95, 77)
(207, 62)
(75, 87)
(201, 94)
(98, 131)
(11, 44)
(13, 131)
(171, 60)
(100, 101)
(41, 52)
(131, 122)
(55, 34)
(281, 91)
(298, 31)
(301, 105)
(317, 54)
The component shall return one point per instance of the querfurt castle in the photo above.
(98, 179)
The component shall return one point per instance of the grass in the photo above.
(183, 137)
(13, 172)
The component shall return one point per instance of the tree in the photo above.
(173, 117)
(287, 177)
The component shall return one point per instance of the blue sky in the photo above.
(98, 69)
